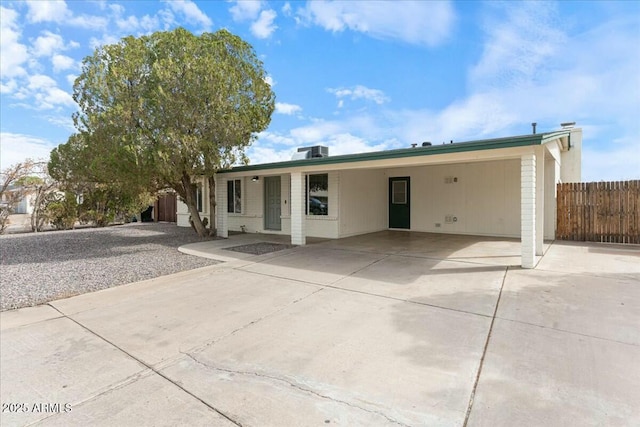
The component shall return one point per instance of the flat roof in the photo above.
(457, 147)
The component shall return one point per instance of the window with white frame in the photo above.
(318, 194)
(234, 196)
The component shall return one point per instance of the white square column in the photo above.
(298, 222)
(221, 207)
(540, 200)
(528, 210)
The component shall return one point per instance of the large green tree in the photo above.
(166, 109)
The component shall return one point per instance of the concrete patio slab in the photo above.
(457, 285)
(347, 355)
(535, 376)
(328, 334)
(27, 316)
(56, 361)
(315, 264)
(600, 259)
(158, 326)
(604, 307)
(474, 249)
(147, 401)
(113, 296)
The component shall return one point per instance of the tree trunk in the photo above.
(192, 205)
(213, 231)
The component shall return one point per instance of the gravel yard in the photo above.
(37, 268)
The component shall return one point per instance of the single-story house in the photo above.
(494, 187)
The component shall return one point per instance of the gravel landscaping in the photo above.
(37, 268)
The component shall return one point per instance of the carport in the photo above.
(496, 188)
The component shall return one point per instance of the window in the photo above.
(234, 196)
(399, 193)
(199, 196)
(318, 194)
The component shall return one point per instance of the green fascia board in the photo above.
(458, 147)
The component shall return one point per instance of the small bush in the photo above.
(62, 211)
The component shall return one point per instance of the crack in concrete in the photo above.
(151, 368)
(101, 392)
(296, 386)
(484, 352)
(565, 331)
(206, 345)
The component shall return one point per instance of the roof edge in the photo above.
(477, 145)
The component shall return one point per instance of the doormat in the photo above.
(259, 248)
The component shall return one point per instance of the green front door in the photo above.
(399, 203)
(272, 203)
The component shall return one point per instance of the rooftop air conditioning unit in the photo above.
(311, 152)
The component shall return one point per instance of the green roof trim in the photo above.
(458, 147)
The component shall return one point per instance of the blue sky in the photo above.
(361, 76)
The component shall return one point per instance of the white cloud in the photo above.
(522, 39)
(47, 44)
(618, 163)
(346, 143)
(13, 54)
(244, 10)
(264, 26)
(106, 39)
(44, 94)
(269, 80)
(191, 12)
(62, 62)
(360, 92)
(259, 154)
(58, 12)
(416, 22)
(71, 78)
(15, 147)
(47, 11)
(287, 109)
(286, 9)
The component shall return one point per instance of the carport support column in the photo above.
(528, 209)
(540, 200)
(221, 207)
(298, 223)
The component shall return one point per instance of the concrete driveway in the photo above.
(383, 329)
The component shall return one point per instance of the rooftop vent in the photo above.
(426, 144)
(533, 125)
(311, 152)
(567, 125)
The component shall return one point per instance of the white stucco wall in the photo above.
(363, 201)
(484, 199)
(252, 216)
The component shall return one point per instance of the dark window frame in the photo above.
(234, 196)
(318, 207)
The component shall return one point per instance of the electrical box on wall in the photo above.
(450, 179)
(450, 219)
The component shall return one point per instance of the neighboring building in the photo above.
(24, 205)
(494, 187)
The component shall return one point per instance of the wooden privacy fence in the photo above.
(599, 211)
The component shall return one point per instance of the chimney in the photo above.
(534, 124)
